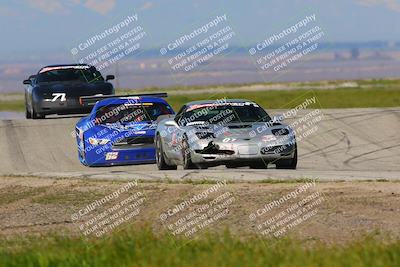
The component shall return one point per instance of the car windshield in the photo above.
(140, 112)
(70, 75)
(224, 113)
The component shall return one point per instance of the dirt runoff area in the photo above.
(309, 210)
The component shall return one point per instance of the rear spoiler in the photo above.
(87, 101)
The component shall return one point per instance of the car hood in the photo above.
(129, 127)
(243, 130)
(116, 132)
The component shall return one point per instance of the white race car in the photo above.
(233, 133)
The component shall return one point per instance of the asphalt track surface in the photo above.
(349, 144)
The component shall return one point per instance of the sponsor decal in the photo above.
(84, 67)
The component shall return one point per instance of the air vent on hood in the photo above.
(280, 132)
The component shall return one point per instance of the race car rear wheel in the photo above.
(288, 163)
(160, 157)
(187, 156)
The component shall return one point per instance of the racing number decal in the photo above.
(59, 95)
(111, 155)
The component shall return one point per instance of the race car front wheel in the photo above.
(36, 115)
(259, 165)
(28, 114)
(288, 163)
(160, 157)
(187, 155)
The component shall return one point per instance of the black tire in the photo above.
(231, 165)
(160, 157)
(82, 156)
(290, 164)
(35, 115)
(202, 166)
(28, 114)
(187, 156)
(259, 165)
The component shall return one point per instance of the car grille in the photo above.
(239, 126)
(211, 148)
(215, 151)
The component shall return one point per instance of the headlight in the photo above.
(96, 142)
(79, 133)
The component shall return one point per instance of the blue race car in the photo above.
(120, 129)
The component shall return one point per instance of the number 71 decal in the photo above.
(59, 95)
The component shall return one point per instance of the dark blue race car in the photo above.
(120, 130)
(56, 89)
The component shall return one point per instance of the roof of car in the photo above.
(64, 66)
(218, 101)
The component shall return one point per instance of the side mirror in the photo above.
(110, 77)
(27, 82)
(171, 123)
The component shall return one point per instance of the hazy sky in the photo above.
(37, 26)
